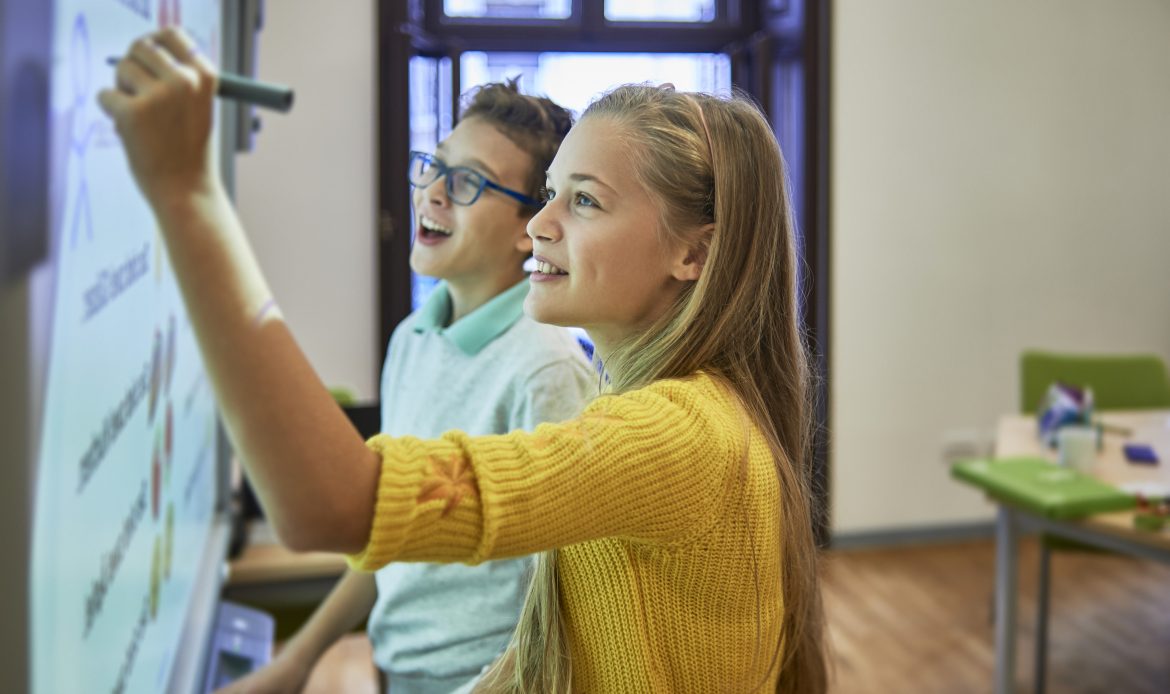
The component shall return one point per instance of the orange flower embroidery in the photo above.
(450, 479)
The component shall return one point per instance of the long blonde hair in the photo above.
(711, 162)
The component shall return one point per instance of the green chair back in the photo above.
(1119, 382)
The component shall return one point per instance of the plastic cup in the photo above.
(1077, 446)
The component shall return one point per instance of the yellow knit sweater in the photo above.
(665, 503)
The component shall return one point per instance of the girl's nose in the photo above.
(543, 226)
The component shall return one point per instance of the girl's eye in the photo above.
(545, 194)
(584, 200)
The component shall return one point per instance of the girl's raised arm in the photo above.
(315, 477)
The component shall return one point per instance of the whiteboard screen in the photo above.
(126, 480)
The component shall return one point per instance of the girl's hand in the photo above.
(162, 108)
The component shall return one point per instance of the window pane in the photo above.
(509, 9)
(660, 10)
(573, 80)
(430, 121)
(430, 102)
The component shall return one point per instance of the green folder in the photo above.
(1043, 487)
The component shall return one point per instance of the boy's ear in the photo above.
(688, 266)
(524, 243)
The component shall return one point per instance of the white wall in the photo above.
(1000, 180)
(307, 194)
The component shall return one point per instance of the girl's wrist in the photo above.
(184, 202)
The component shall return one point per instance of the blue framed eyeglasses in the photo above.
(464, 185)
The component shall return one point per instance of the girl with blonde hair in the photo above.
(673, 513)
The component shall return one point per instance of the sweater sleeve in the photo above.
(650, 466)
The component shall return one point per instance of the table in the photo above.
(268, 574)
(1016, 436)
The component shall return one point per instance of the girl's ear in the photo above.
(689, 266)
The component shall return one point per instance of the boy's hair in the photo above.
(536, 124)
(715, 170)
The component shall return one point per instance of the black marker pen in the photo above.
(274, 96)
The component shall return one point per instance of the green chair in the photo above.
(1119, 382)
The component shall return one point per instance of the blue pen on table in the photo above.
(274, 96)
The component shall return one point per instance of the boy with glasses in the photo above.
(467, 359)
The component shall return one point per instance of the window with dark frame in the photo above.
(774, 51)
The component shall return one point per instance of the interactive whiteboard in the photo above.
(128, 475)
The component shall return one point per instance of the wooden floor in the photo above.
(918, 620)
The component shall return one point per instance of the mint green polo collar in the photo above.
(474, 331)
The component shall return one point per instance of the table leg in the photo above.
(1006, 540)
(1042, 602)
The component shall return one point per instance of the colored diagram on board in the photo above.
(126, 477)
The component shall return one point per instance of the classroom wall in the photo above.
(307, 194)
(1000, 180)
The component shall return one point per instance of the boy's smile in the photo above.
(430, 232)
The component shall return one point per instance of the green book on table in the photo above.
(1043, 487)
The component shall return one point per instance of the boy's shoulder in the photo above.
(527, 345)
(539, 345)
(405, 326)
